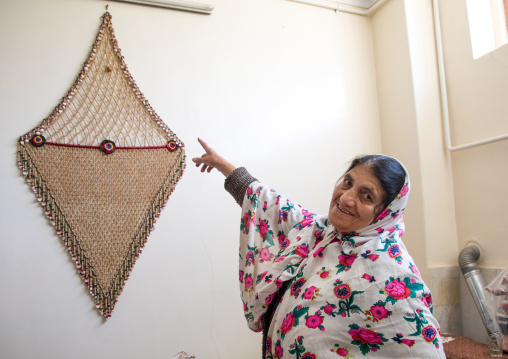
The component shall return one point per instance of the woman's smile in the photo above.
(343, 210)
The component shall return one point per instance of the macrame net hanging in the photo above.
(102, 165)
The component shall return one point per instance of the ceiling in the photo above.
(359, 3)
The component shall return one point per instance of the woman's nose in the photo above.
(348, 198)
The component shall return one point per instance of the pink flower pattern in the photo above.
(397, 289)
(318, 251)
(288, 323)
(314, 321)
(265, 254)
(404, 190)
(347, 260)
(365, 335)
(248, 283)
(302, 250)
(263, 228)
(311, 293)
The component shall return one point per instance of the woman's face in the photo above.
(355, 200)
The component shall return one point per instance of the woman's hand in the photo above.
(211, 160)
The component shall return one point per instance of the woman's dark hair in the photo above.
(387, 170)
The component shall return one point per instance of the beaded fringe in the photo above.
(105, 299)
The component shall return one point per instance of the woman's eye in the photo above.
(347, 182)
(367, 196)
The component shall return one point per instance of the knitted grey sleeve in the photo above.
(237, 183)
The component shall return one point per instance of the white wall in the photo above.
(285, 89)
(411, 128)
(459, 196)
(468, 202)
(478, 108)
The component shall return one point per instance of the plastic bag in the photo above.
(496, 300)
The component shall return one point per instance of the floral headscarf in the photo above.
(389, 224)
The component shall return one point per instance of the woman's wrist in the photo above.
(226, 168)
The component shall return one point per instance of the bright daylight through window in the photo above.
(487, 24)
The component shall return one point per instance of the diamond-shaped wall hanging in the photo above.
(102, 165)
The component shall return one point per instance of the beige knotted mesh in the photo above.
(103, 165)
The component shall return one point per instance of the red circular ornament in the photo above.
(171, 146)
(108, 147)
(38, 141)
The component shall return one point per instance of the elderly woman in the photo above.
(340, 285)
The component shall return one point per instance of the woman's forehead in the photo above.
(364, 174)
(364, 178)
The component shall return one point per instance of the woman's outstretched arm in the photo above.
(211, 159)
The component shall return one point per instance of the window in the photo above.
(506, 13)
(487, 24)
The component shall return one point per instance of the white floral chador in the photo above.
(350, 295)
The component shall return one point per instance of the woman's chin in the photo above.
(341, 221)
(346, 226)
(340, 225)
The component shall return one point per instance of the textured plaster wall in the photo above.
(285, 89)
